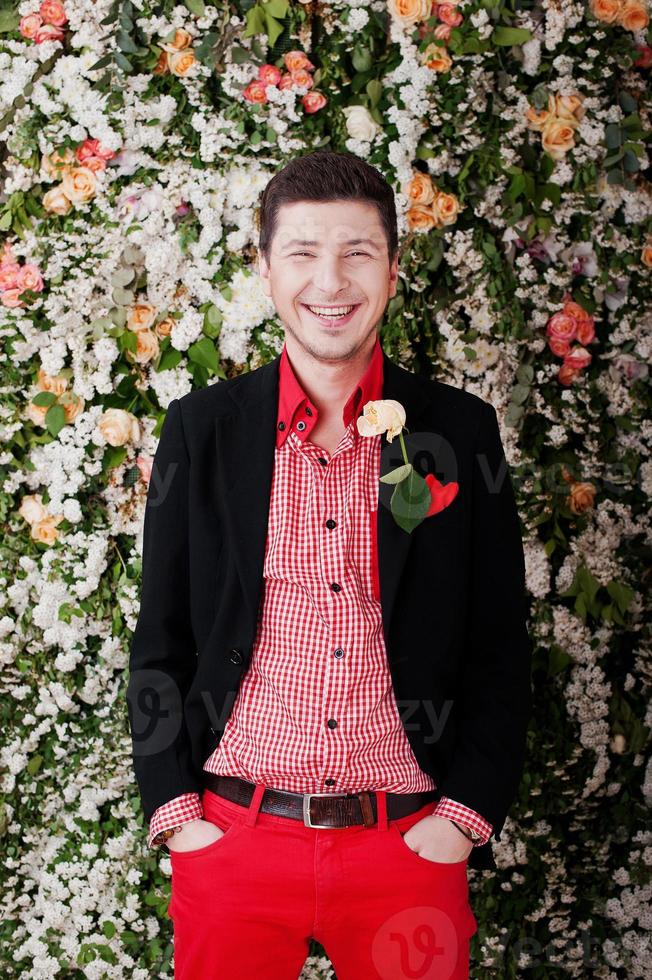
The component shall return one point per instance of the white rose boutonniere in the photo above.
(414, 497)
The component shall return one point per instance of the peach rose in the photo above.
(141, 316)
(255, 92)
(286, 81)
(45, 531)
(182, 39)
(295, 60)
(79, 184)
(449, 15)
(8, 273)
(147, 347)
(52, 12)
(537, 118)
(164, 327)
(269, 74)
(55, 201)
(382, 416)
(302, 77)
(55, 383)
(646, 256)
(29, 277)
(633, 16)
(445, 208)
(29, 25)
(72, 405)
(11, 299)
(420, 218)
(36, 413)
(118, 427)
(420, 189)
(182, 63)
(409, 11)
(48, 32)
(443, 32)
(32, 508)
(557, 138)
(569, 108)
(313, 101)
(436, 58)
(581, 497)
(58, 162)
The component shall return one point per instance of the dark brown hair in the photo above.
(327, 175)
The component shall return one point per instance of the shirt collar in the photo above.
(294, 406)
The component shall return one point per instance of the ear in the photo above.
(393, 276)
(263, 272)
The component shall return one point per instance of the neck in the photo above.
(329, 383)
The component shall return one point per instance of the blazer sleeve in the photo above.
(495, 695)
(163, 657)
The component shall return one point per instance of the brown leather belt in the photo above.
(321, 810)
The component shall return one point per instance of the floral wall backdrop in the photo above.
(137, 137)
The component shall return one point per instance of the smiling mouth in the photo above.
(332, 314)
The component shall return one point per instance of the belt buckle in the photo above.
(306, 811)
(367, 814)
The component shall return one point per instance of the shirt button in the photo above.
(329, 782)
(301, 425)
(322, 460)
(335, 587)
(308, 411)
(330, 523)
(281, 425)
(331, 723)
(339, 653)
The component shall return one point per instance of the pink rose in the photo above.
(144, 464)
(8, 274)
(93, 148)
(30, 277)
(269, 74)
(566, 374)
(52, 12)
(644, 59)
(48, 32)
(29, 25)
(255, 92)
(302, 77)
(448, 14)
(286, 81)
(561, 327)
(578, 358)
(443, 32)
(313, 101)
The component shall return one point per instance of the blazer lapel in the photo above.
(245, 445)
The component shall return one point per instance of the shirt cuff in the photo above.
(174, 813)
(464, 815)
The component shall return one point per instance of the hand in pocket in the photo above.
(194, 835)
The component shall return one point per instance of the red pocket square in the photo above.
(441, 495)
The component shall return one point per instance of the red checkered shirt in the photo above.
(315, 710)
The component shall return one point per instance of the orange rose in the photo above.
(646, 256)
(55, 383)
(255, 92)
(181, 63)
(420, 189)
(567, 374)
(164, 327)
(302, 77)
(45, 531)
(633, 16)
(58, 162)
(161, 66)
(448, 14)
(295, 60)
(313, 101)
(569, 108)
(537, 118)
(581, 497)
(605, 10)
(420, 218)
(52, 12)
(269, 74)
(72, 404)
(578, 359)
(445, 208)
(557, 138)
(181, 40)
(436, 58)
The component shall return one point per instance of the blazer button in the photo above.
(235, 656)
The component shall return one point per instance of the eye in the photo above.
(358, 253)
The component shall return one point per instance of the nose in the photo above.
(329, 275)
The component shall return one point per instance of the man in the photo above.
(328, 710)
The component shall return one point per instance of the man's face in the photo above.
(329, 254)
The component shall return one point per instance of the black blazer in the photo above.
(452, 591)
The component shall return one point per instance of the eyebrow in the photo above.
(351, 241)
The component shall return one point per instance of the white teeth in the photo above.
(332, 311)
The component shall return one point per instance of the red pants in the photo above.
(245, 906)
